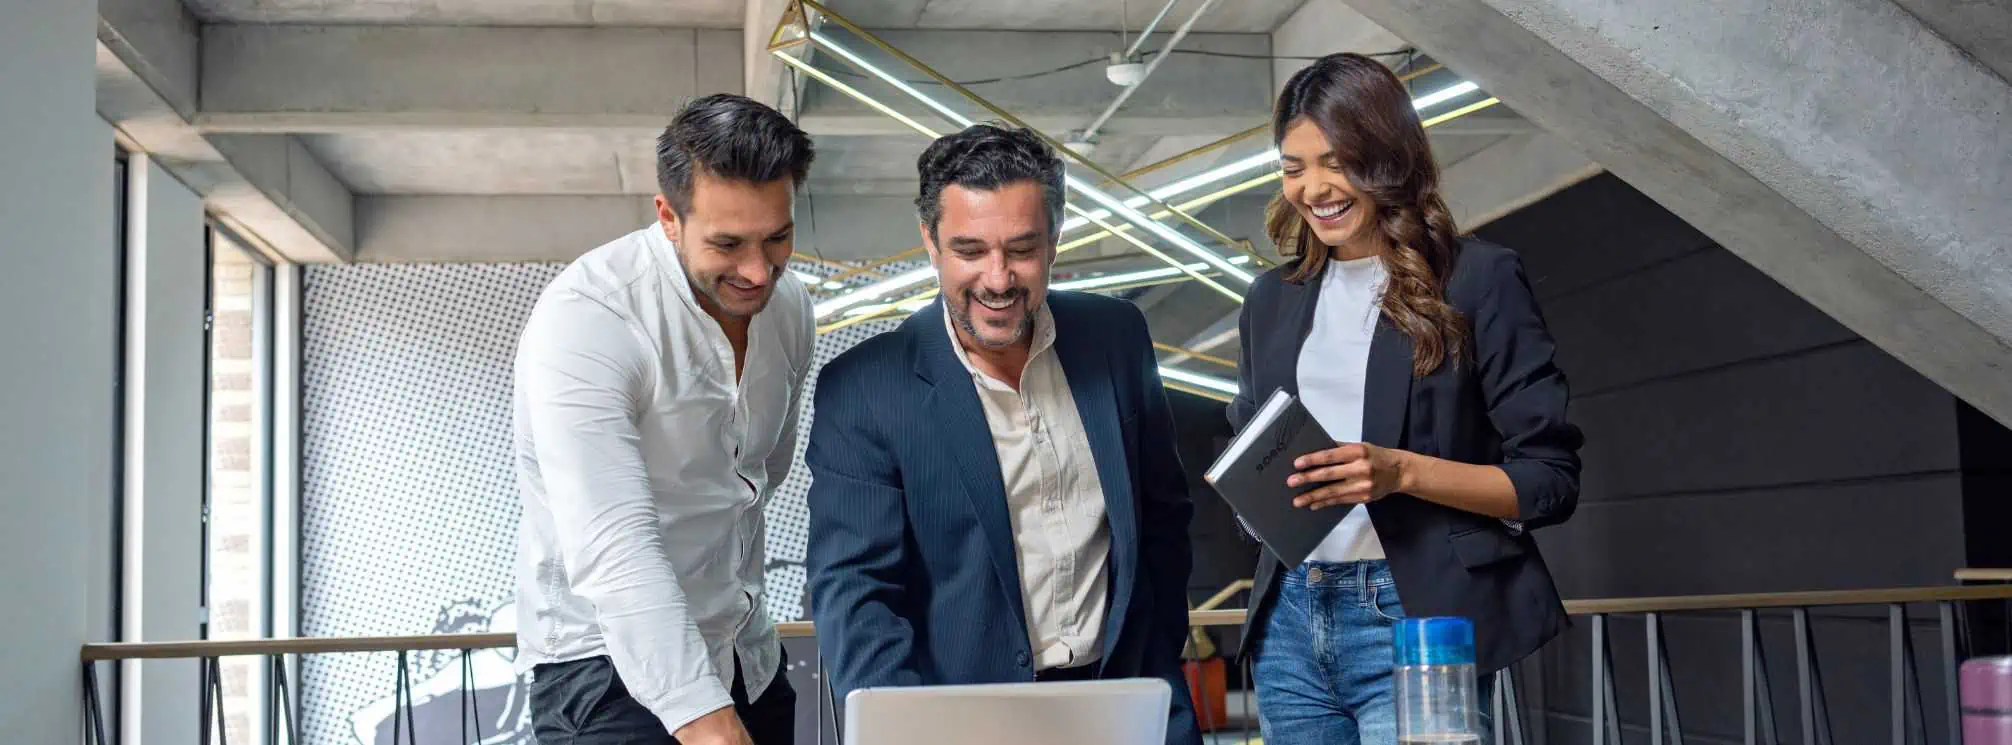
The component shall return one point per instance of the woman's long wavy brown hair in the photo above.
(1368, 118)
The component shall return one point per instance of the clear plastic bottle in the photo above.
(1436, 701)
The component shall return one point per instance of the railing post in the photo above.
(1896, 623)
(471, 709)
(1663, 682)
(401, 701)
(94, 713)
(1952, 703)
(1606, 714)
(1654, 633)
(1815, 711)
(283, 677)
(823, 694)
(1495, 705)
(1599, 680)
(1512, 705)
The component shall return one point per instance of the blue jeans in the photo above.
(1323, 663)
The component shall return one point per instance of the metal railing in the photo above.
(1908, 719)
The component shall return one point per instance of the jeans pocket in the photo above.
(1384, 603)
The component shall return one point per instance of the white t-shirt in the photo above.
(1331, 369)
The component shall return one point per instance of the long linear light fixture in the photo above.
(914, 303)
(1172, 190)
(1108, 202)
(803, 32)
(905, 279)
(1198, 380)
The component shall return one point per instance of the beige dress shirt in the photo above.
(1052, 493)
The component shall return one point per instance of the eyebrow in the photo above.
(726, 237)
(965, 241)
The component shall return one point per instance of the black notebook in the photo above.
(1251, 476)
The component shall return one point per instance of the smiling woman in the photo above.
(1423, 356)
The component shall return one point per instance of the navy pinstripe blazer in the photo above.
(914, 578)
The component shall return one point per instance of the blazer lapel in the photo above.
(1296, 310)
(959, 423)
(1386, 389)
(1088, 367)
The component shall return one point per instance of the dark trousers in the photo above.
(583, 702)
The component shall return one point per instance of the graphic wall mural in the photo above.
(409, 504)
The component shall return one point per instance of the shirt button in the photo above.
(1021, 658)
(1313, 574)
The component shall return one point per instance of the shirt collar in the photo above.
(1044, 338)
(666, 253)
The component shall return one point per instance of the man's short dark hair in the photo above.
(987, 157)
(732, 137)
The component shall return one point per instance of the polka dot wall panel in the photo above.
(409, 504)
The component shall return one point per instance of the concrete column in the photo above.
(56, 328)
(166, 264)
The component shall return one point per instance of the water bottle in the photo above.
(1435, 681)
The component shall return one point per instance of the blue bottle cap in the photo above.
(1447, 640)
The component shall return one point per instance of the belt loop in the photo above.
(1362, 576)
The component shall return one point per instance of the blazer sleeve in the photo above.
(857, 548)
(1526, 395)
(1165, 547)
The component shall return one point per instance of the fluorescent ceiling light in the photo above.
(840, 50)
(1443, 95)
(1156, 227)
(1110, 203)
(1127, 209)
(1091, 283)
(875, 291)
(1261, 160)
(808, 278)
(1198, 380)
(832, 284)
(1183, 186)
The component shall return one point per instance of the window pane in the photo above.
(238, 497)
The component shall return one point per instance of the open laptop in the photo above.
(1096, 712)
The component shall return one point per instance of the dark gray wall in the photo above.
(1738, 440)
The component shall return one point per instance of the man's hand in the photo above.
(718, 728)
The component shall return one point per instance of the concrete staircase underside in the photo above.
(1848, 149)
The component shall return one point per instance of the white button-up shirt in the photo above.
(643, 465)
(1054, 498)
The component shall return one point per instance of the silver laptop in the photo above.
(1096, 712)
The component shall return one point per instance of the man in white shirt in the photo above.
(996, 492)
(657, 388)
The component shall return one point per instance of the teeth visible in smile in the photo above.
(997, 303)
(1325, 211)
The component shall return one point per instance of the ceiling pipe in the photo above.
(1090, 132)
(1148, 30)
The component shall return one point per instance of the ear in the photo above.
(667, 217)
(928, 242)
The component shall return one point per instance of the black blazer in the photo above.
(1503, 404)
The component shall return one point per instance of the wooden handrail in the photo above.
(1676, 603)
(1984, 574)
(1224, 617)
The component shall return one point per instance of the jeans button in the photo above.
(1313, 574)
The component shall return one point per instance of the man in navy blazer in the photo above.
(996, 495)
